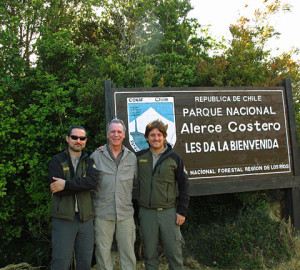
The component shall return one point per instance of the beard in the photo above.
(76, 148)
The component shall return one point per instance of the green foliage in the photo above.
(37, 106)
(245, 239)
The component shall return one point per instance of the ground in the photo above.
(189, 263)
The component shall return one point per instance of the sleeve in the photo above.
(55, 170)
(87, 182)
(183, 187)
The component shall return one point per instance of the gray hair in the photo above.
(117, 121)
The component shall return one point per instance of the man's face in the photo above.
(115, 134)
(156, 139)
(77, 140)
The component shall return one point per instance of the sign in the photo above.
(220, 134)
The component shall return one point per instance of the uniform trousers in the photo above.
(161, 223)
(67, 236)
(125, 237)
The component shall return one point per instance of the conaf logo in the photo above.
(142, 111)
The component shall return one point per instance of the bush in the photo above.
(249, 240)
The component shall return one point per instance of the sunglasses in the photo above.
(75, 138)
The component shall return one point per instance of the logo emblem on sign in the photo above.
(143, 110)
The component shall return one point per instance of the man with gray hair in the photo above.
(113, 199)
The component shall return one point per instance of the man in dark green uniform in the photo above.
(72, 175)
(160, 172)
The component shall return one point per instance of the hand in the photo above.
(57, 185)
(99, 148)
(180, 220)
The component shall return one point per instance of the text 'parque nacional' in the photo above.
(229, 111)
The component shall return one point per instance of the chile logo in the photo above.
(143, 110)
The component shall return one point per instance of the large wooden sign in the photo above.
(220, 134)
(231, 139)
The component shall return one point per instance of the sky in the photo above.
(221, 13)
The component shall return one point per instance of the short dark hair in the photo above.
(156, 124)
(72, 127)
(118, 121)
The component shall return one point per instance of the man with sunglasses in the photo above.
(72, 175)
(113, 199)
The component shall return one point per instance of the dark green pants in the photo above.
(161, 223)
(69, 236)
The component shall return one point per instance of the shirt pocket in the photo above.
(126, 180)
(127, 171)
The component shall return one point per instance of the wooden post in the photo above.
(293, 194)
(108, 101)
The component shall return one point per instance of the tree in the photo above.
(37, 104)
(246, 61)
(158, 44)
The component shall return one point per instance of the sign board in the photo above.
(220, 133)
(231, 139)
